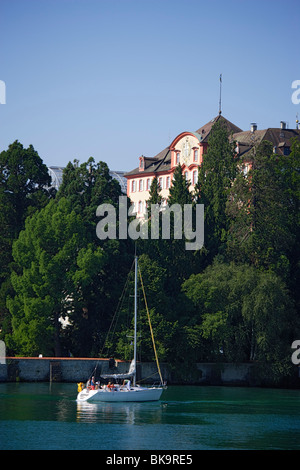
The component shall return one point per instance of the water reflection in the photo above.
(39, 416)
(119, 413)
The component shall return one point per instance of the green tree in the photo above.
(88, 185)
(45, 254)
(288, 169)
(263, 211)
(154, 194)
(244, 314)
(179, 191)
(72, 273)
(23, 181)
(24, 177)
(170, 257)
(216, 175)
(167, 332)
(170, 253)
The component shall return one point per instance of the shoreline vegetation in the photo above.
(236, 300)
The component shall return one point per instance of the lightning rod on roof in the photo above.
(220, 101)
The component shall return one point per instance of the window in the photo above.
(140, 209)
(160, 181)
(141, 185)
(133, 186)
(195, 155)
(148, 184)
(177, 160)
(195, 176)
(186, 174)
(168, 182)
(132, 209)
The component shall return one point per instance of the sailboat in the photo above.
(129, 391)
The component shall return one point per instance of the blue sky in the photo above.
(115, 79)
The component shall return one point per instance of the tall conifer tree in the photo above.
(216, 175)
(179, 191)
(154, 194)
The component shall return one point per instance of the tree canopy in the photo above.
(236, 299)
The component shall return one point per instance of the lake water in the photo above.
(47, 416)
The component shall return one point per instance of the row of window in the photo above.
(195, 156)
(139, 185)
(164, 182)
(140, 207)
(193, 176)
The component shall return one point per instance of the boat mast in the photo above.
(135, 314)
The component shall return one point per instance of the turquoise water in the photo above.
(44, 416)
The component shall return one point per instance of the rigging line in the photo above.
(121, 299)
(148, 377)
(152, 336)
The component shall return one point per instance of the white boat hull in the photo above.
(136, 394)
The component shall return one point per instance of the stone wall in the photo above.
(75, 370)
(80, 369)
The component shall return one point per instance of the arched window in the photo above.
(195, 176)
(141, 207)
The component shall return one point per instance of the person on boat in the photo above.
(126, 384)
(93, 383)
(80, 386)
(110, 386)
(97, 386)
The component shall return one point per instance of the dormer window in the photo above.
(284, 147)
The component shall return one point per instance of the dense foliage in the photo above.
(236, 299)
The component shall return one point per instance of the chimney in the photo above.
(253, 126)
(282, 125)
